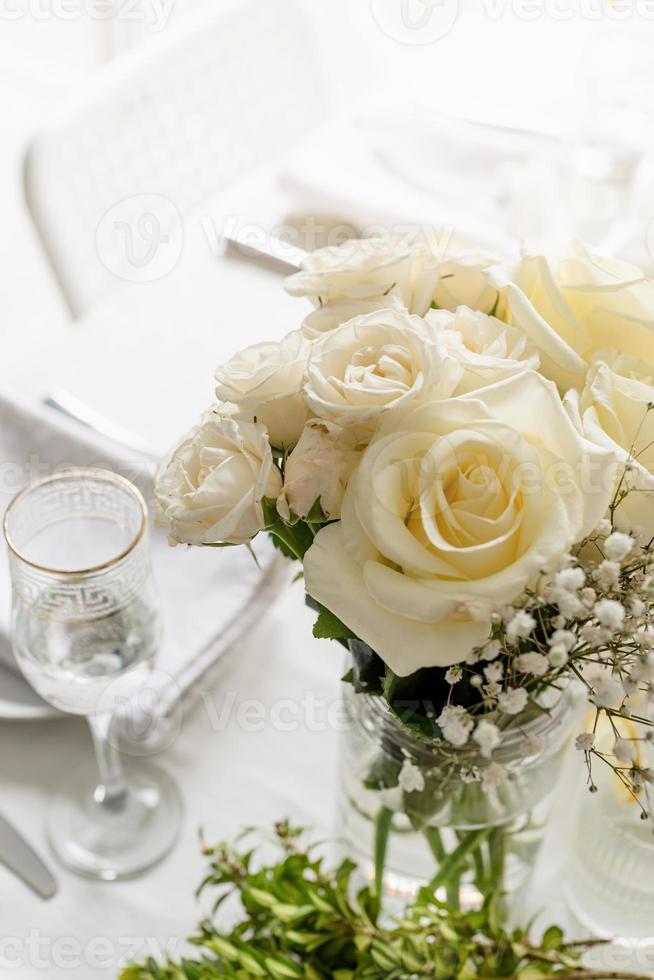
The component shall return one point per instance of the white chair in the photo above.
(181, 118)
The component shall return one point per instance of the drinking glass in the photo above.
(85, 632)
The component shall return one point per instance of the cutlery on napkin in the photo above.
(18, 856)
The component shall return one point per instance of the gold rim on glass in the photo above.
(77, 473)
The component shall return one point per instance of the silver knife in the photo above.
(267, 247)
(17, 855)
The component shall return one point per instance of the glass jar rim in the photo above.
(415, 742)
(77, 473)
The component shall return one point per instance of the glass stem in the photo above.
(111, 791)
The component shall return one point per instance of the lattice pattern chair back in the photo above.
(182, 119)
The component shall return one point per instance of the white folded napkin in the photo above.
(208, 596)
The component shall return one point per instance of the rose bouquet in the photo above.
(460, 451)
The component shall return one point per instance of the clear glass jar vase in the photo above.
(467, 838)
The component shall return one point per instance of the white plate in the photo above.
(19, 702)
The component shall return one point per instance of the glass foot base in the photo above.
(116, 839)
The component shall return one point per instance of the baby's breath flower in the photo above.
(625, 750)
(492, 690)
(487, 736)
(532, 663)
(610, 613)
(570, 579)
(607, 575)
(636, 607)
(513, 700)
(591, 635)
(533, 745)
(491, 650)
(494, 672)
(558, 622)
(493, 776)
(569, 604)
(456, 724)
(641, 776)
(618, 545)
(645, 638)
(453, 675)
(411, 779)
(520, 626)
(608, 692)
(604, 528)
(588, 597)
(564, 638)
(643, 668)
(585, 742)
(558, 655)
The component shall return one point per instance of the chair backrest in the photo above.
(174, 123)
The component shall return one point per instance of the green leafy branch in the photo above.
(301, 921)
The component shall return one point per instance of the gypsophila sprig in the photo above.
(301, 920)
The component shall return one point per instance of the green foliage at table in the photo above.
(299, 920)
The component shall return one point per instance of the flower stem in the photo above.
(383, 823)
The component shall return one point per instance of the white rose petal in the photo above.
(613, 412)
(318, 469)
(415, 271)
(210, 489)
(264, 384)
(574, 307)
(487, 349)
(438, 528)
(375, 364)
(324, 319)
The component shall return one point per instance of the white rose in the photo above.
(326, 318)
(455, 507)
(374, 364)
(318, 469)
(460, 280)
(264, 383)
(572, 308)
(488, 349)
(613, 411)
(210, 489)
(415, 271)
